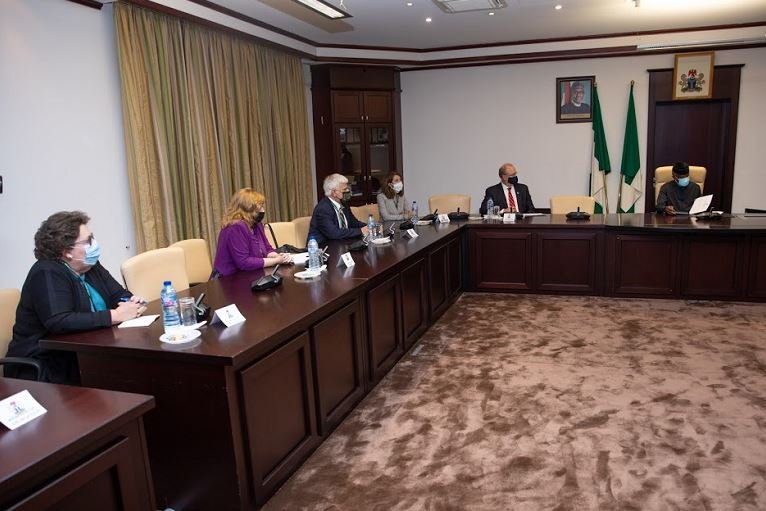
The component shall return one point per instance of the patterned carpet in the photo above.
(558, 403)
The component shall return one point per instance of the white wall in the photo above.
(61, 143)
(459, 125)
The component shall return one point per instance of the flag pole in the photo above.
(622, 176)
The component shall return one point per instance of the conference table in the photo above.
(86, 452)
(240, 408)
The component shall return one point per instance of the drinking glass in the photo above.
(188, 314)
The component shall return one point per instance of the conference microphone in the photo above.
(267, 281)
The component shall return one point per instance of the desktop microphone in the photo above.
(267, 281)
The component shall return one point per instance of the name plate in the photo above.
(228, 315)
(442, 218)
(348, 260)
(411, 234)
(509, 217)
(19, 409)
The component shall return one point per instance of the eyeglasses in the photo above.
(85, 242)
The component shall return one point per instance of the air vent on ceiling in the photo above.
(458, 6)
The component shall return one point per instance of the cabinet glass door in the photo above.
(379, 151)
(350, 152)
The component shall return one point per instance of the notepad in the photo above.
(141, 321)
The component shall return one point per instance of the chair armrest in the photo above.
(23, 361)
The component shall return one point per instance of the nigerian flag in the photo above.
(630, 187)
(599, 166)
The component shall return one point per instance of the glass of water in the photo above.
(188, 314)
(495, 211)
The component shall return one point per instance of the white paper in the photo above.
(140, 321)
(348, 260)
(19, 409)
(443, 218)
(228, 315)
(300, 258)
(701, 204)
(412, 233)
(527, 215)
(422, 222)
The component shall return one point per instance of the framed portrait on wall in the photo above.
(693, 76)
(573, 99)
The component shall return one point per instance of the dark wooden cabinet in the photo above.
(338, 373)
(414, 302)
(384, 327)
(445, 273)
(281, 426)
(357, 129)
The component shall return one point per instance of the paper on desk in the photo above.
(701, 204)
(142, 321)
(300, 258)
(527, 215)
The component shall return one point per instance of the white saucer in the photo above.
(180, 336)
(307, 274)
(381, 241)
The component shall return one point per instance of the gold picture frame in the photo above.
(693, 76)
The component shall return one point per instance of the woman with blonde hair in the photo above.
(242, 243)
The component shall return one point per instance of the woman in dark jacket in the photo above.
(66, 290)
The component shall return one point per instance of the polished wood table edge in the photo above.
(142, 404)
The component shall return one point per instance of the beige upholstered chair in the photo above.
(362, 212)
(301, 230)
(563, 204)
(665, 173)
(145, 273)
(449, 203)
(9, 300)
(284, 232)
(197, 254)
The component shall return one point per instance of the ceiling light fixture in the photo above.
(459, 6)
(558, 7)
(324, 8)
(410, 4)
(428, 20)
(491, 13)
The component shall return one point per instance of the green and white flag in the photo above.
(630, 187)
(600, 165)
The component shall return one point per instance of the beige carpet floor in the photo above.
(531, 403)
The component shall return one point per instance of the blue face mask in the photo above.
(92, 253)
(683, 182)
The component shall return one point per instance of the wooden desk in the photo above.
(643, 255)
(240, 410)
(86, 452)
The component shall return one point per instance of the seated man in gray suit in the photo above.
(332, 218)
(509, 194)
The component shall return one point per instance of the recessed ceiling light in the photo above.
(491, 13)
(428, 20)
(324, 8)
(558, 7)
(410, 4)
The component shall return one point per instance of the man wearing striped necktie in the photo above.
(509, 194)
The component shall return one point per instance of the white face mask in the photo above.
(398, 187)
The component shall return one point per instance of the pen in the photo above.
(127, 299)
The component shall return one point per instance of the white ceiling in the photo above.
(390, 23)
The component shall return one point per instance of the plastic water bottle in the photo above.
(170, 317)
(314, 262)
(414, 212)
(370, 227)
(490, 206)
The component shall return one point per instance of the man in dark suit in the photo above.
(332, 218)
(509, 194)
